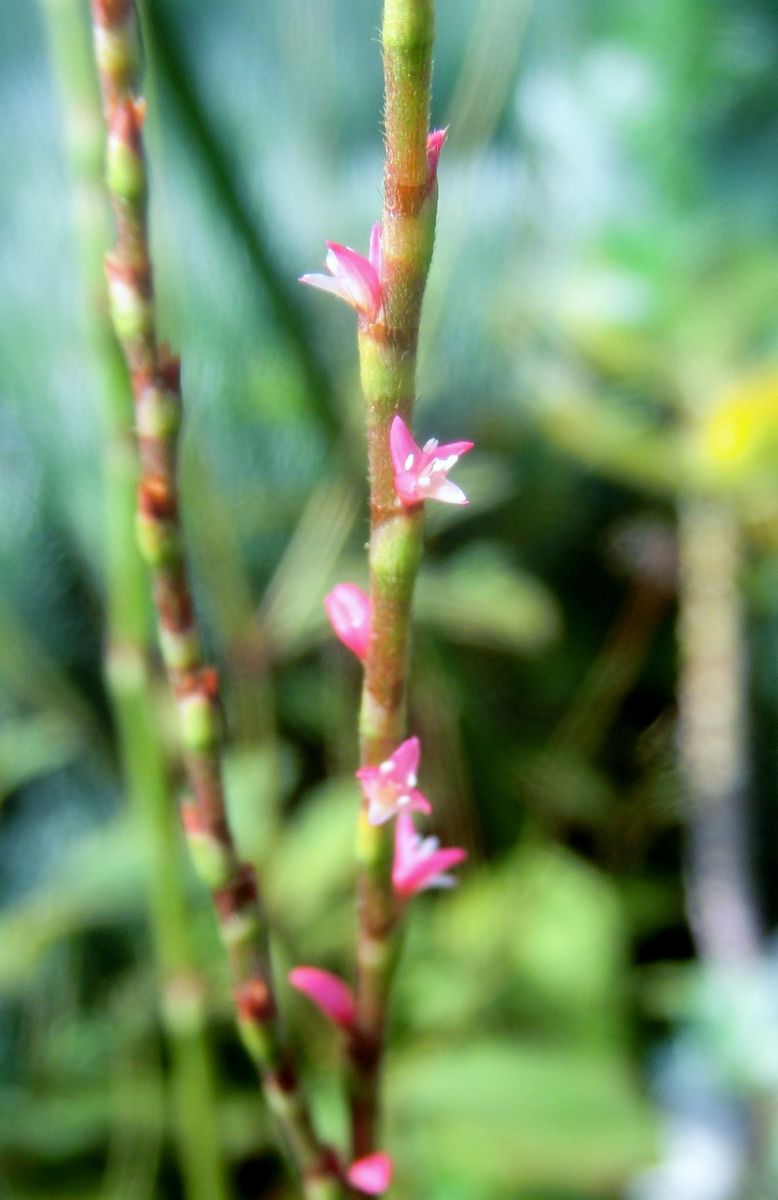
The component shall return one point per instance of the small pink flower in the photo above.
(371, 1175)
(348, 609)
(418, 861)
(420, 473)
(352, 277)
(334, 997)
(435, 143)
(391, 786)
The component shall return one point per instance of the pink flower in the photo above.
(418, 862)
(391, 786)
(371, 1175)
(348, 609)
(420, 474)
(352, 277)
(330, 994)
(435, 143)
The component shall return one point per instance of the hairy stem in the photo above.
(128, 632)
(155, 375)
(388, 352)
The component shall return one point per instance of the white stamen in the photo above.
(432, 444)
(411, 779)
(409, 462)
(403, 800)
(386, 767)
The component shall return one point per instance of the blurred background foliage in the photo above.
(602, 320)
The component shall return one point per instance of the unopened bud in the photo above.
(125, 169)
(199, 722)
(180, 648)
(131, 309)
(157, 413)
(116, 45)
(159, 541)
(258, 1040)
(213, 861)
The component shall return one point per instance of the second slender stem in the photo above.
(388, 373)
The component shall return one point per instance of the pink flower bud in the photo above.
(418, 861)
(371, 1175)
(420, 473)
(353, 278)
(348, 609)
(435, 143)
(327, 992)
(391, 787)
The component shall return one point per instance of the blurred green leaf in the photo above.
(479, 598)
(497, 1117)
(35, 745)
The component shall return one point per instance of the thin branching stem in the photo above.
(128, 630)
(155, 376)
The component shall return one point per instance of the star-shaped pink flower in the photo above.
(420, 472)
(391, 787)
(348, 609)
(419, 863)
(353, 278)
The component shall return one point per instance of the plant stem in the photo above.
(388, 351)
(155, 376)
(128, 633)
(722, 911)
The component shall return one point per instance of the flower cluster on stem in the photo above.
(386, 289)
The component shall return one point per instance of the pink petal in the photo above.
(423, 874)
(327, 992)
(405, 761)
(405, 839)
(348, 609)
(406, 487)
(453, 448)
(374, 253)
(358, 277)
(418, 802)
(435, 142)
(446, 491)
(325, 283)
(402, 447)
(371, 1175)
(369, 774)
(385, 802)
(378, 811)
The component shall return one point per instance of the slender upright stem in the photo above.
(128, 631)
(722, 911)
(155, 376)
(388, 352)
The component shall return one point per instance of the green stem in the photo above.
(155, 375)
(388, 351)
(127, 635)
(722, 911)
